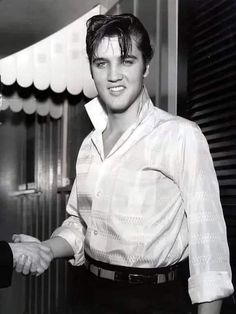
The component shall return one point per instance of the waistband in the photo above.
(132, 275)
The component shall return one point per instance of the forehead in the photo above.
(109, 47)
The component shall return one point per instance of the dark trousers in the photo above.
(90, 294)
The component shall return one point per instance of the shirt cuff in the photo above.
(75, 242)
(210, 286)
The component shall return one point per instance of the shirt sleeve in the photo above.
(6, 264)
(210, 272)
(73, 229)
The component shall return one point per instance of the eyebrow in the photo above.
(130, 57)
(99, 59)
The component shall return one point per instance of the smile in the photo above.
(116, 89)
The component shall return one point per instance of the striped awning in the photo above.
(58, 61)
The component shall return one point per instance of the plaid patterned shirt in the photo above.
(152, 202)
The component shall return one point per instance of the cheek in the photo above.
(99, 78)
(136, 78)
(135, 73)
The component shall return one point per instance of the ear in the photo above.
(146, 72)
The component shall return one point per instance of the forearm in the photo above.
(59, 247)
(210, 307)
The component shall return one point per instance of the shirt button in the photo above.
(95, 232)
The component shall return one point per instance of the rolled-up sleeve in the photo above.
(210, 272)
(73, 229)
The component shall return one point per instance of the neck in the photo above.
(119, 124)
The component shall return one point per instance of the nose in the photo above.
(114, 73)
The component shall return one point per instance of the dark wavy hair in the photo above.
(125, 27)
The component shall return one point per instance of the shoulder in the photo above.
(174, 123)
(177, 131)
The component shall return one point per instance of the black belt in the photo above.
(129, 274)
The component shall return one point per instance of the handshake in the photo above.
(30, 255)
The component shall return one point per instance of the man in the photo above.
(145, 197)
(38, 257)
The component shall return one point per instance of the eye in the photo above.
(100, 64)
(128, 61)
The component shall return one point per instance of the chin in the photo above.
(118, 105)
(117, 109)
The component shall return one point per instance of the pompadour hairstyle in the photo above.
(125, 27)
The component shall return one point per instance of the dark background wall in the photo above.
(207, 94)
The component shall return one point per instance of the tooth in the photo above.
(118, 88)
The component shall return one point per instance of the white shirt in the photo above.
(152, 202)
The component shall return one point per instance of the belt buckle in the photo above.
(135, 278)
(139, 279)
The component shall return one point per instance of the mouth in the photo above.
(116, 90)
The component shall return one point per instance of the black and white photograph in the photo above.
(117, 156)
